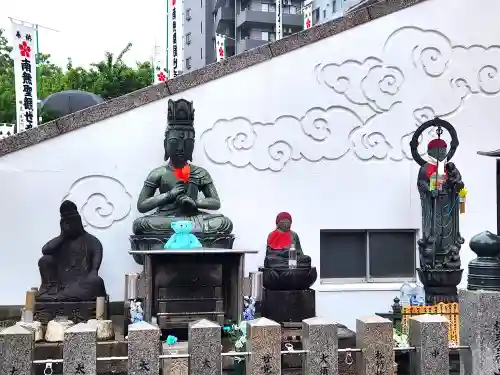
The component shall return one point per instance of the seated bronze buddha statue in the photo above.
(179, 184)
(277, 275)
(70, 262)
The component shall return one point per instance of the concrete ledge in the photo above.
(206, 74)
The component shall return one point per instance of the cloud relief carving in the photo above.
(420, 74)
(101, 200)
(320, 134)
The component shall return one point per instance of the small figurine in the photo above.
(140, 313)
(136, 312)
(182, 238)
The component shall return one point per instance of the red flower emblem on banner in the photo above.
(161, 77)
(173, 2)
(24, 49)
(221, 52)
(308, 23)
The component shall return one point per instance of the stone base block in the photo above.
(76, 311)
(288, 305)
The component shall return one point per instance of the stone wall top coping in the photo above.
(211, 72)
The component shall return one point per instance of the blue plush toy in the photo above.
(182, 238)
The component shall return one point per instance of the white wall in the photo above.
(330, 147)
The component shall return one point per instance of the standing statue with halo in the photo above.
(441, 191)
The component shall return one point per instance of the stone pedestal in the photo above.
(17, 344)
(374, 336)
(440, 285)
(264, 344)
(429, 336)
(480, 328)
(143, 349)
(182, 286)
(284, 278)
(288, 305)
(156, 242)
(76, 311)
(205, 348)
(320, 339)
(80, 350)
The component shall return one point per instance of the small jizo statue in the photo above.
(282, 237)
(439, 184)
(70, 263)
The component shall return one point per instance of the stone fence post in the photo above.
(80, 350)
(143, 349)
(375, 337)
(429, 336)
(320, 340)
(264, 344)
(17, 354)
(480, 328)
(205, 348)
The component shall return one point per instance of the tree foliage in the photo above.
(108, 78)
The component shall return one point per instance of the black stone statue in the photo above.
(439, 182)
(70, 262)
(276, 273)
(179, 184)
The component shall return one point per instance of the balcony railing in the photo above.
(265, 14)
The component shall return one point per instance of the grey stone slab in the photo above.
(18, 345)
(375, 336)
(480, 328)
(175, 366)
(204, 348)
(143, 349)
(319, 338)
(429, 336)
(201, 76)
(80, 350)
(264, 344)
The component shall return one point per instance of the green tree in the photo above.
(108, 78)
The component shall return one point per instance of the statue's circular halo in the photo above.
(439, 123)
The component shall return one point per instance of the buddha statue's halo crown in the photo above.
(180, 115)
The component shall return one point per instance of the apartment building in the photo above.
(245, 23)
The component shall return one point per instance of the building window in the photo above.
(201, 53)
(293, 9)
(334, 6)
(201, 27)
(188, 38)
(316, 16)
(188, 63)
(324, 13)
(201, 3)
(265, 7)
(188, 14)
(367, 256)
(265, 35)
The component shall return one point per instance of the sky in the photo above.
(89, 28)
